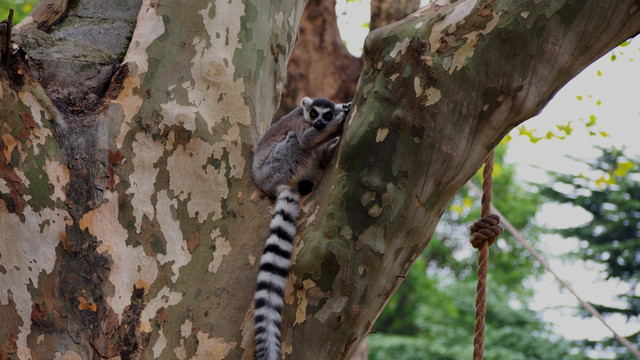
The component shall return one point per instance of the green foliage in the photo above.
(21, 8)
(432, 314)
(563, 130)
(611, 194)
(445, 320)
(614, 54)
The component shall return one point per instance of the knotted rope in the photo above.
(483, 234)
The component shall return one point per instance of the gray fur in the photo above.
(295, 146)
(294, 149)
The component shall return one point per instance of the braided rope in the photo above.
(483, 234)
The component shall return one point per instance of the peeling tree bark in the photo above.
(130, 225)
(122, 215)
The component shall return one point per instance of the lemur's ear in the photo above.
(306, 102)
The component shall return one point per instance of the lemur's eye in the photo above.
(313, 113)
(327, 116)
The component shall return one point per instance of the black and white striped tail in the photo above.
(272, 277)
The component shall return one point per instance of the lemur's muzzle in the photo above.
(319, 124)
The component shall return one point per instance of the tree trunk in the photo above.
(361, 353)
(122, 203)
(130, 224)
(320, 65)
(384, 12)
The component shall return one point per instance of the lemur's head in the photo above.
(320, 111)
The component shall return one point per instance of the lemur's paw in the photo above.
(346, 107)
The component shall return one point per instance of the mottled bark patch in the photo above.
(11, 324)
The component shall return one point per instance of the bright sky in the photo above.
(610, 91)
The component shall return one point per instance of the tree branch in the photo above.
(44, 15)
(438, 91)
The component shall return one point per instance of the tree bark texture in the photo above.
(130, 224)
(384, 12)
(115, 211)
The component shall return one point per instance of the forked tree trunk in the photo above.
(130, 225)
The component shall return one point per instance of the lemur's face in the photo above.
(319, 112)
(320, 116)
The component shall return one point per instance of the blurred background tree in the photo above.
(610, 193)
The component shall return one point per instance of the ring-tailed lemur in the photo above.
(288, 157)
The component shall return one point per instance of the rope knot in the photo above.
(485, 229)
